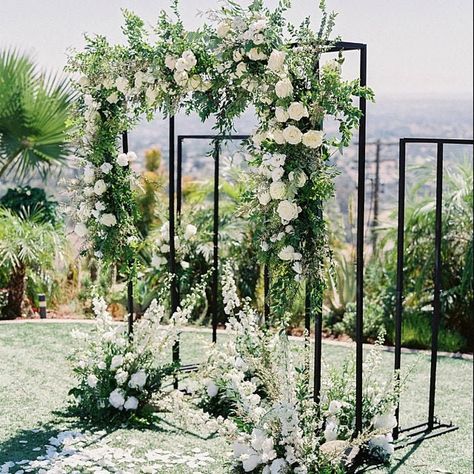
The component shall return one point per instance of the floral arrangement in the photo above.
(245, 56)
(258, 386)
(118, 373)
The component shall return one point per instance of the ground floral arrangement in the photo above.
(253, 390)
(242, 57)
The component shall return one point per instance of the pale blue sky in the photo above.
(416, 47)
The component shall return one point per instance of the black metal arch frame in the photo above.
(175, 200)
(433, 427)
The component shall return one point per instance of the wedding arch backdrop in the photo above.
(219, 71)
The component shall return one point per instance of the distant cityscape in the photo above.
(387, 121)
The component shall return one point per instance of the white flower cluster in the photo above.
(115, 370)
(90, 191)
(183, 242)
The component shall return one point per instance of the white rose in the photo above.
(276, 60)
(284, 88)
(278, 466)
(287, 253)
(80, 229)
(109, 220)
(122, 160)
(313, 139)
(116, 362)
(385, 422)
(277, 190)
(223, 29)
(157, 262)
(297, 267)
(264, 198)
(92, 381)
(190, 231)
(334, 407)
(131, 156)
(241, 69)
(83, 81)
(138, 379)
(297, 111)
(287, 210)
(151, 94)
(278, 137)
(121, 83)
(106, 168)
(189, 59)
(89, 174)
(121, 377)
(212, 389)
(113, 98)
(131, 403)
(292, 135)
(255, 55)
(195, 82)
(100, 187)
(116, 399)
(237, 56)
(184, 264)
(330, 432)
(181, 65)
(281, 114)
(298, 176)
(170, 62)
(181, 77)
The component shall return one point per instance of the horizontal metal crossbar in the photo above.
(446, 141)
(212, 137)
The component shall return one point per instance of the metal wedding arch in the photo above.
(413, 434)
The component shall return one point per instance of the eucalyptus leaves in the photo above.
(245, 56)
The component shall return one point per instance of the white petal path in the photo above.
(73, 452)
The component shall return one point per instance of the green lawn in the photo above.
(35, 377)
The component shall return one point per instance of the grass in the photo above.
(35, 378)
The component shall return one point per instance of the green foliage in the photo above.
(457, 297)
(25, 200)
(29, 242)
(33, 117)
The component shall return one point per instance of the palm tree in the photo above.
(26, 243)
(33, 117)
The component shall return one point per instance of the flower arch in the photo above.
(243, 56)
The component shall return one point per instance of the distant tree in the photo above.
(33, 117)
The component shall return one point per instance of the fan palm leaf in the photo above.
(33, 117)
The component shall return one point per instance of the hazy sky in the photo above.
(415, 47)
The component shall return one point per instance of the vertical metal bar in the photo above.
(179, 180)
(400, 263)
(375, 221)
(318, 346)
(360, 244)
(266, 293)
(215, 265)
(437, 284)
(130, 281)
(172, 233)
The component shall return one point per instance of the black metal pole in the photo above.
(172, 233)
(215, 231)
(130, 302)
(400, 262)
(266, 293)
(179, 180)
(437, 284)
(360, 245)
